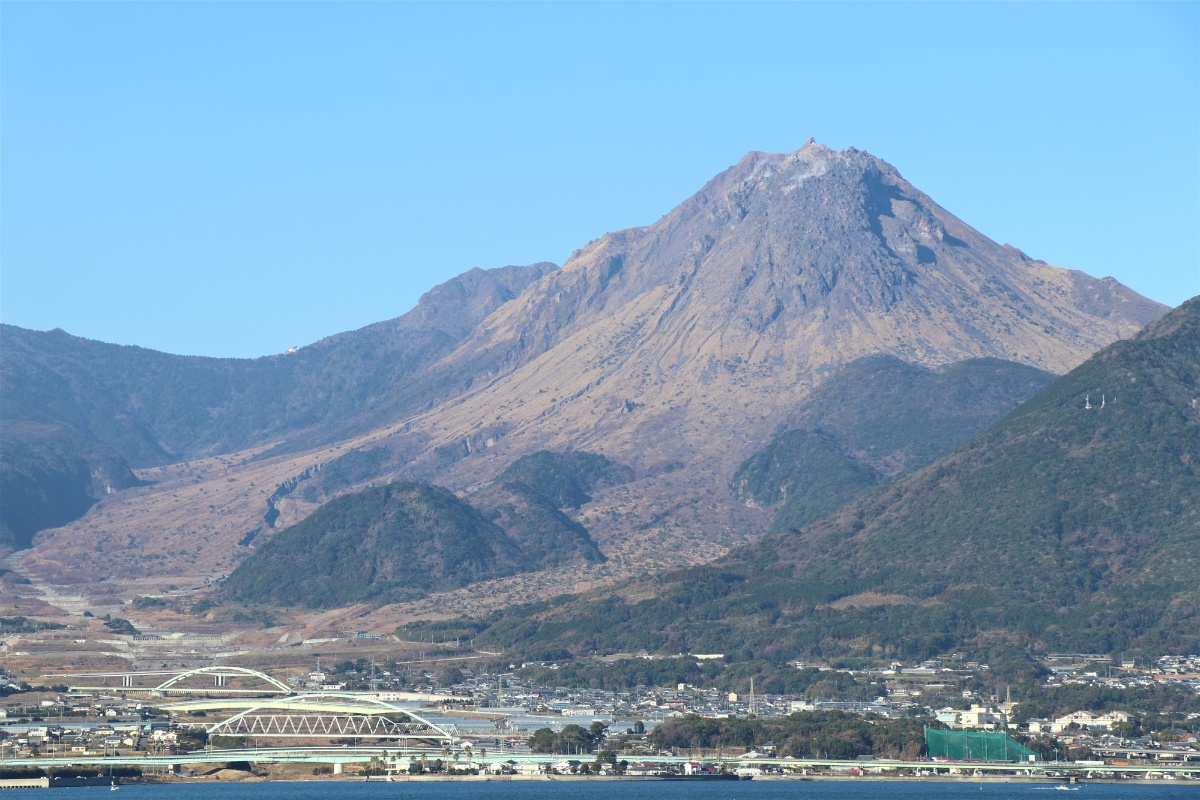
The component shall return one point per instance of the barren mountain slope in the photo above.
(157, 408)
(690, 340)
(679, 348)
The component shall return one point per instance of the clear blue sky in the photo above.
(235, 178)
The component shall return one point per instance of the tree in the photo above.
(543, 740)
(576, 738)
(1126, 729)
(606, 757)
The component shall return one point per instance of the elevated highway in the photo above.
(353, 755)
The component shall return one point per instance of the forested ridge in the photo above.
(405, 539)
(1063, 527)
(877, 418)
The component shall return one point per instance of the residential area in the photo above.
(510, 712)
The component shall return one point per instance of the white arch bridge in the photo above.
(327, 715)
(131, 682)
(313, 715)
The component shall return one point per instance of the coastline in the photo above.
(226, 777)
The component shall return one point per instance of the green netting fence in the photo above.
(975, 746)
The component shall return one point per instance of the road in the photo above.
(351, 755)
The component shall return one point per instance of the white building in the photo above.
(983, 717)
(1088, 720)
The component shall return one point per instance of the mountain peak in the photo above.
(791, 170)
(677, 349)
(817, 257)
(775, 274)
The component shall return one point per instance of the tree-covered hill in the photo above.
(1074, 523)
(529, 500)
(404, 540)
(564, 479)
(877, 418)
(386, 544)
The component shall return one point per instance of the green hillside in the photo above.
(404, 540)
(564, 479)
(807, 473)
(529, 500)
(900, 416)
(1062, 527)
(391, 543)
(877, 418)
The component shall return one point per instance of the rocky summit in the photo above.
(718, 319)
(675, 350)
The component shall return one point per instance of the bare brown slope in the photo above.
(678, 348)
(689, 339)
(837, 246)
